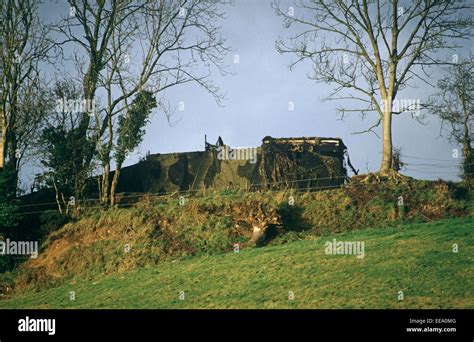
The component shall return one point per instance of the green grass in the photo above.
(417, 259)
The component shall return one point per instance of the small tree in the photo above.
(453, 104)
(397, 162)
(24, 46)
(60, 150)
(130, 132)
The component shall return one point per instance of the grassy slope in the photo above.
(416, 259)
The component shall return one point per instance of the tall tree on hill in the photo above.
(25, 45)
(371, 50)
(454, 105)
(131, 46)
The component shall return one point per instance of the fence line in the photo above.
(169, 194)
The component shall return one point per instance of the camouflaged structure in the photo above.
(301, 163)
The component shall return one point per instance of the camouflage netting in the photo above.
(286, 168)
(280, 164)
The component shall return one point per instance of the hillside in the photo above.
(149, 230)
(417, 259)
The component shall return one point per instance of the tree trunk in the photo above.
(99, 187)
(467, 160)
(386, 140)
(11, 144)
(106, 168)
(105, 184)
(56, 190)
(3, 142)
(113, 186)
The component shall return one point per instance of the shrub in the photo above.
(51, 221)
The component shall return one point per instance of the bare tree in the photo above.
(134, 46)
(25, 45)
(371, 50)
(453, 104)
(89, 26)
